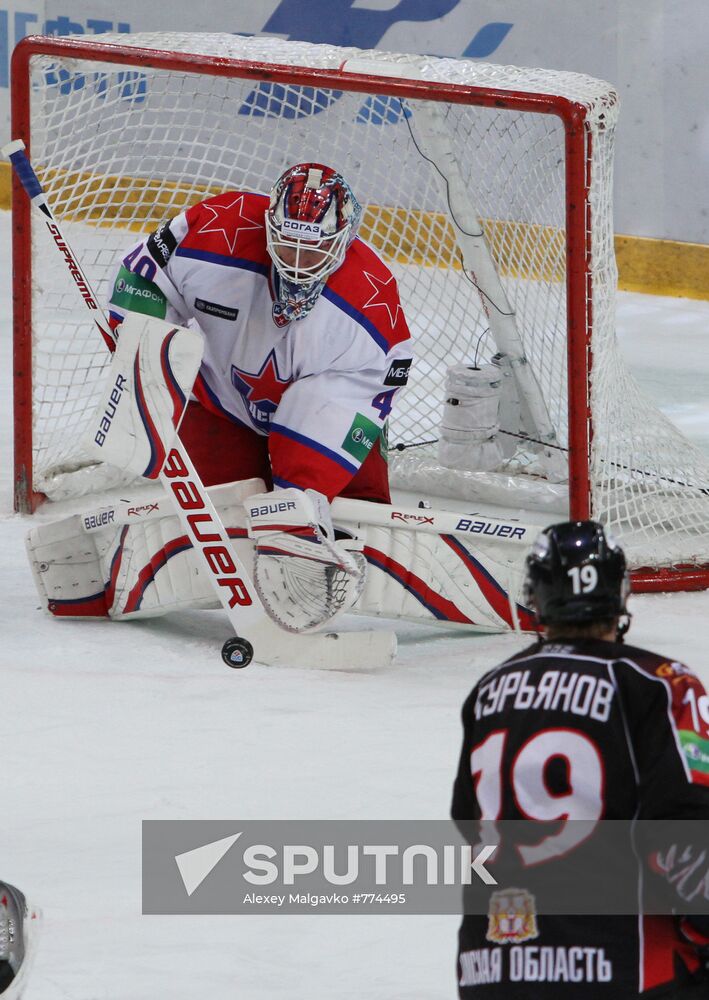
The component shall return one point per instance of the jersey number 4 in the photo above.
(383, 403)
(527, 779)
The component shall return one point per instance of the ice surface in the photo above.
(105, 725)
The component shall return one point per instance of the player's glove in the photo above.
(303, 575)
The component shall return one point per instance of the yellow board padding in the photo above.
(406, 235)
(651, 266)
(417, 237)
(5, 178)
(663, 267)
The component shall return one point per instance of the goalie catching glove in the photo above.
(303, 575)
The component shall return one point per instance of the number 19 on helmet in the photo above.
(576, 574)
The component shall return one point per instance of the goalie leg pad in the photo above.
(143, 569)
(67, 568)
(303, 575)
(441, 579)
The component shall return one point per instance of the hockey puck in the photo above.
(237, 652)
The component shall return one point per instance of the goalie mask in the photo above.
(311, 220)
(576, 575)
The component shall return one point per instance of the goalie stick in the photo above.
(229, 577)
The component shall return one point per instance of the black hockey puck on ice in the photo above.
(237, 652)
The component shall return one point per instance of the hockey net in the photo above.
(126, 131)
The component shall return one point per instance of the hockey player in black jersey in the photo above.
(582, 726)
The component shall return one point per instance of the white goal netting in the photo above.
(121, 147)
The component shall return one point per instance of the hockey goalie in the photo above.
(273, 338)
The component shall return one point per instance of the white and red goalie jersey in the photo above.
(321, 387)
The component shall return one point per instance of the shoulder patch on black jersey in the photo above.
(672, 670)
(161, 244)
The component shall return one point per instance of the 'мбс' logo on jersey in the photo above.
(398, 373)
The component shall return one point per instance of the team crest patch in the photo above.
(512, 917)
(262, 389)
(361, 437)
(672, 670)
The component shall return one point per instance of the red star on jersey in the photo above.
(265, 388)
(382, 296)
(232, 220)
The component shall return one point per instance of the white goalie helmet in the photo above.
(311, 220)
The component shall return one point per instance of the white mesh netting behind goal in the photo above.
(120, 147)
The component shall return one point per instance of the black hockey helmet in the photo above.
(576, 574)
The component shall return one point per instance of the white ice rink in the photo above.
(104, 725)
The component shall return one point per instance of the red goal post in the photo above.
(126, 130)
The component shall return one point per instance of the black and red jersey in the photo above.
(589, 730)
